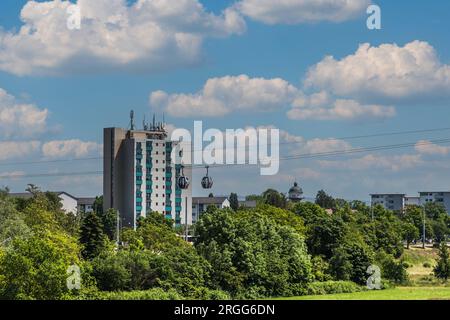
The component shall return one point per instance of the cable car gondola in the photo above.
(183, 181)
(207, 181)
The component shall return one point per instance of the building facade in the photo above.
(200, 204)
(140, 175)
(440, 197)
(398, 202)
(390, 201)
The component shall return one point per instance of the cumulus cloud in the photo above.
(11, 175)
(20, 119)
(220, 96)
(372, 161)
(144, 36)
(302, 11)
(322, 106)
(387, 71)
(18, 149)
(70, 148)
(429, 148)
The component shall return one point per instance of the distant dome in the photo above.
(295, 193)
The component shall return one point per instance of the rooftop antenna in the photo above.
(145, 124)
(132, 120)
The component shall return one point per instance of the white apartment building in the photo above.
(141, 176)
(398, 201)
(442, 197)
(200, 204)
(390, 201)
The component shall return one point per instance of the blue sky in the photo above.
(81, 103)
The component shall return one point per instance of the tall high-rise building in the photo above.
(140, 175)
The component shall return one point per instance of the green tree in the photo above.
(36, 267)
(234, 202)
(92, 237)
(324, 200)
(274, 198)
(442, 268)
(410, 233)
(253, 255)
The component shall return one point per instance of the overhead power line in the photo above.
(246, 147)
(285, 158)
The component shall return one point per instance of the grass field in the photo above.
(400, 293)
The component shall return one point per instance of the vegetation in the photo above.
(278, 249)
(442, 268)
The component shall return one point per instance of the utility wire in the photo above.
(286, 158)
(246, 147)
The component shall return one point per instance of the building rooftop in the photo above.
(86, 201)
(208, 200)
(388, 194)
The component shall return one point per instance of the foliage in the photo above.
(151, 294)
(234, 202)
(350, 261)
(274, 198)
(333, 287)
(442, 268)
(35, 268)
(252, 254)
(392, 270)
(324, 200)
(92, 237)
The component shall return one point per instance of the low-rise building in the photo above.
(390, 201)
(85, 205)
(200, 204)
(69, 202)
(412, 201)
(441, 197)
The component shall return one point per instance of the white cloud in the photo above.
(19, 119)
(145, 36)
(321, 106)
(372, 161)
(221, 96)
(429, 148)
(386, 71)
(302, 11)
(11, 175)
(67, 148)
(18, 149)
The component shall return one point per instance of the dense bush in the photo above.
(391, 269)
(151, 294)
(253, 255)
(333, 287)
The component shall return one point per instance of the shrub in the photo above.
(427, 265)
(333, 287)
(152, 294)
